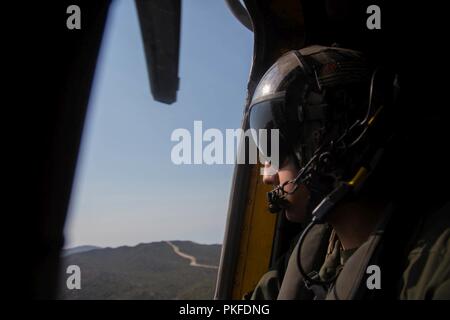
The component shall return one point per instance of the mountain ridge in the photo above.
(144, 271)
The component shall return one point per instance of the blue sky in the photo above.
(127, 190)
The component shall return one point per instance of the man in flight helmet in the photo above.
(335, 113)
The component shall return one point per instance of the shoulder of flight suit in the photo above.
(313, 254)
(267, 287)
(427, 275)
(354, 270)
(427, 272)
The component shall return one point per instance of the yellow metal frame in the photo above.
(256, 237)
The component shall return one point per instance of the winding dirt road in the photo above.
(192, 259)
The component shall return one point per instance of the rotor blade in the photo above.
(160, 27)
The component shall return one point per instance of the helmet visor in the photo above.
(266, 121)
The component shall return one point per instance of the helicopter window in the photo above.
(140, 226)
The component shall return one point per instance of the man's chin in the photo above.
(294, 216)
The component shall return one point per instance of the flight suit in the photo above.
(426, 275)
(270, 284)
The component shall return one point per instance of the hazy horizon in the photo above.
(114, 247)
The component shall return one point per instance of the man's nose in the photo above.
(269, 176)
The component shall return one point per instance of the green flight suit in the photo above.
(426, 276)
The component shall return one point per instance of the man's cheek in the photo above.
(293, 199)
(298, 199)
